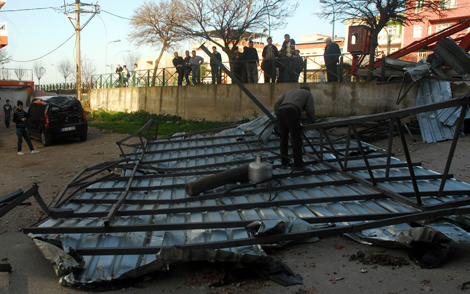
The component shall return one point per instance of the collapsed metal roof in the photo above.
(122, 219)
(437, 125)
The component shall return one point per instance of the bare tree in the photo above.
(20, 72)
(4, 57)
(130, 59)
(65, 68)
(376, 14)
(158, 25)
(226, 22)
(88, 70)
(39, 71)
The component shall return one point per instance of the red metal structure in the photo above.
(427, 42)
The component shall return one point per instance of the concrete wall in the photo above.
(229, 103)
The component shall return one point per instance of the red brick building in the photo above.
(431, 22)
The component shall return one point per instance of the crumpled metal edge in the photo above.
(68, 269)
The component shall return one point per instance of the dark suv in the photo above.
(57, 117)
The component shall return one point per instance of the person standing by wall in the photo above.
(270, 53)
(215, 69)
(238, 65)
(196, 62)
(178, 63)
(288, 110)
(297, 67)
(251, 62)
(7, 113)
(20, 117)
(331, 55)
(125, 76)
(323, 76)
(287, 51)
(119, 73)
(187, 67)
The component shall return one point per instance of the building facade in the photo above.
(431, 22)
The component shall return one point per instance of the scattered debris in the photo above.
(378, 258)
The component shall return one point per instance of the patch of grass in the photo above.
(130, 122)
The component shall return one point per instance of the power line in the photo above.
(28, 9)
(46, 53)
(115, 15)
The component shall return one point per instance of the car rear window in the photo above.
(60, 103)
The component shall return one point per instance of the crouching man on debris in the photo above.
(288, 110)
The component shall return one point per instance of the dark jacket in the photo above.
(284, 48)
(297, 64)
(265, 51)
(18, 116)
(178, 61)
(299, 99)
(332, 53)
(186, 65)
(250, 54)
(216, 55)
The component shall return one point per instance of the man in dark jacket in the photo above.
(297, 67)
(331, 55)
(288, 110)
(187, 67)
(251, 62)
(7, 113)
(119, 73)
(215, 69)
(20, 117)
(270, 53)
(178, 63)
(238, 65)
(285, 60)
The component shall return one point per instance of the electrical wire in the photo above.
(29, 9)
(115, 15)
(46, 53)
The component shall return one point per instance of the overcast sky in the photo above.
(33, 33)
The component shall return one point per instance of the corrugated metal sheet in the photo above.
(170, 163)
(431, 127)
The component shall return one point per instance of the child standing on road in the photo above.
(7, 113)
(20, 117)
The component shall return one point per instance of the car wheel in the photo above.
(83, 138)
(46, 141)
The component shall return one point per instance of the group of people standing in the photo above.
(281, 66)
(123, 74)
(190, 64)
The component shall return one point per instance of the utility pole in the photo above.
(79, 69)
(77, 9)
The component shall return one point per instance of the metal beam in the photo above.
(236, 81)
(322, 232)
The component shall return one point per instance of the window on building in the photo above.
(417, 31)
(429, 29)
(422, 55)
(393, 31)
(448, 4)
(419, 6)
(442, 26)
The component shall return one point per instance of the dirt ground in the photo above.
(325, 265)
